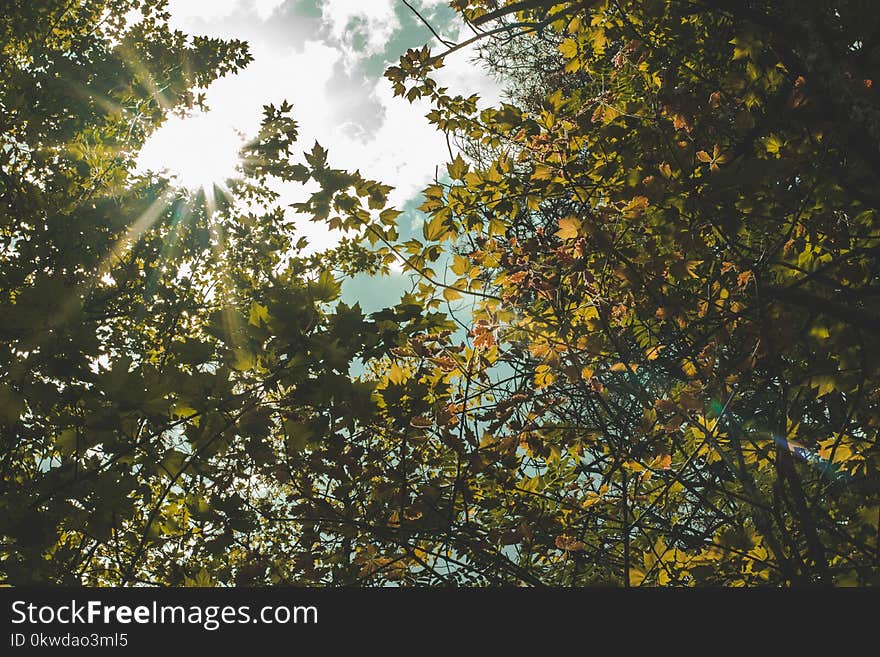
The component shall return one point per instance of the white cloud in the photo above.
(350, 20)
(354, 116)
(183, 11)
(264, 8)
(463, 75)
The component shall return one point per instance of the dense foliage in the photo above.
(640, 350)
(163, 352)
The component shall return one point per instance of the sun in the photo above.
(198, 151)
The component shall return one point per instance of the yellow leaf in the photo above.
(609, 113)
(457, 168)
(569, 543)
(600, 41)
(679, 121)
(691, 267)
(473, 179)
(243, 360)
(824, 384)
(587, 313)
(568, 228)
(434, 229)
(202, 579)
(773, 144)
(460, 265)
(703, 156)
(543, 172)
(497, 227)
(396, 374)
(258, 314)
(451, 294)
(568, 48)
(544, 376)
(590, 500)
(636, 576)
(67, 441)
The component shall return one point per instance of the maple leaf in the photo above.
(568, 228)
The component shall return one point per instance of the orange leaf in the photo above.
(486, 339)
(568, 228)
(569, 544)
(420, 422)
(635, 207)
(679, 122)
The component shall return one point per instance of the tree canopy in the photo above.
(639, 349)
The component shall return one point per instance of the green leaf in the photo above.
(173, 462)
(298, 435)
(67, 441)
(184, 412)
(11, 404)
(326, 288)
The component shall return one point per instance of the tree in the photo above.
(639, 349)
(669, 242)
(165, 355)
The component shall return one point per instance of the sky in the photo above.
(326, 57)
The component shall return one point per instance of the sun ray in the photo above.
(145, 77)
(72, 304)
(231, 321)
(141, 225)
(180, 214)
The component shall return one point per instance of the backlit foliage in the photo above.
(639, 349)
